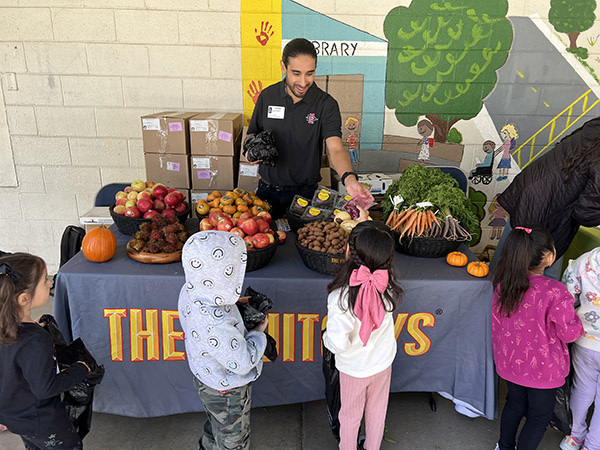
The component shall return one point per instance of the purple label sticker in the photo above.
(173, 166)
(204, 174)
(225, 136)
(175, 126)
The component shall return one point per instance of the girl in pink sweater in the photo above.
(532, 320)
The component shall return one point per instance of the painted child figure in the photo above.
(533, 319)
(425, 129)
(351, 125)
(582, 279)
(224, 357)
(360, 331)
(509, 136)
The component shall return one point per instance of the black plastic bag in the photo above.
(254, 312)
(332, 390)
(562, 417)
(261, 147)
(77, 400)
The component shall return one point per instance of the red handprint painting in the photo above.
(266, 31)
(254, 90)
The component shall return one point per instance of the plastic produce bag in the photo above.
(261, 147)
(332, 390)
(253, 312)
(562, 417)
(77, 400)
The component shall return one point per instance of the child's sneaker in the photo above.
(570, 443)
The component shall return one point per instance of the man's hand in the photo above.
(358, 190)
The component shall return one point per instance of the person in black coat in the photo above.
(560, 190)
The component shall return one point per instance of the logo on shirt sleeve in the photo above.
(311, 118)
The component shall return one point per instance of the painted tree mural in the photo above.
(442, 59)
(572, 17)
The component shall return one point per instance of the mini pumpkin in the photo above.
(99, 244)
(478, 269)
(457, 259)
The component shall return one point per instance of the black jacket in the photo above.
(539, 195)
(30, 388)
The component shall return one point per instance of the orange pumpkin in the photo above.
(478, 269)
(99, 244)
(456, 259)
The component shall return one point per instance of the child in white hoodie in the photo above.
(223, 356)
(360, 331)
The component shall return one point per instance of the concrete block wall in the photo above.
(76, 77)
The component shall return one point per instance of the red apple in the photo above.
(171, 199)
(167, 212)
(180, 207)
(246, 215)
(282, 236)
(132, 211)
(224, 224)
(150, 214)
(238, 232)
(158, 205)
(120, 194)
(120, 210)
(205, 225)
(144, 205)
(171, 189)
(260, 240)
(248, 241)
(127, 190)
(265, 216)
(214, 217)
(271, 238)
(179, 194)
(121, 201)
(132, 195)
(138, 185)
(130, 203)
(149, 184)
(144, 194)
(159, 191)
(249, 226)
(263, 226)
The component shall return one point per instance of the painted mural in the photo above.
(457, 83)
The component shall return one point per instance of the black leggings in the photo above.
(534, 404)
(61, 435)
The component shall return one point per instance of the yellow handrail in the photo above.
(552, 124)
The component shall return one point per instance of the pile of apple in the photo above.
(146, 199)
(255, 230)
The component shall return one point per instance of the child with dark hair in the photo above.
(30, 385)
(360, 331)
(533, 319)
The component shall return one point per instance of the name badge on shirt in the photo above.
(276, 112)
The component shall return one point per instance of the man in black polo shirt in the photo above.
(301, 116)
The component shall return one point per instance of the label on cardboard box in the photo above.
(175, 126)
(199, 196)
(225, 136)
(249, 170)
(150, 124)
(199, 125)
(204, 174)
(173, 166)
(201, 163)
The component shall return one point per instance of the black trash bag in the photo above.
(332, 390)
(562, 417)
(261, 147)
(78, 399)
(254, 312)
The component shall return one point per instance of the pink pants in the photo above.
(369, 395)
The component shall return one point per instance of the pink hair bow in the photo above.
(368, 307)
(526, 230)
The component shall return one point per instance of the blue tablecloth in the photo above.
(443, 324)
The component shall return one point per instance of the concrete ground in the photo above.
(410, 425)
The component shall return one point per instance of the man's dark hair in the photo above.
(296, 47)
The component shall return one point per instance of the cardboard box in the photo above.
(171, 170)
(215, 134)
(248, 176)
(214, 172)
(166, 132)
(95, 217)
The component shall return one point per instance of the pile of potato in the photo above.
(326, 237)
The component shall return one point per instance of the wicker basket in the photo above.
(295, 221)
(130, 225)
(426, 247)
(325, 263)
(259, 258)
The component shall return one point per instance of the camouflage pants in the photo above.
(227, 425)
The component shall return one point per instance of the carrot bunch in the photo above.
(414, 222)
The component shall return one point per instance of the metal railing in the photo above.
(552, 124)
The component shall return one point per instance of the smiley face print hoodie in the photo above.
(221, 353)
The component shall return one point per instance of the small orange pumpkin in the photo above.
(457, 259)
(99, 244)
(478, 269)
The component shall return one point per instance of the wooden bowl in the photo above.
(153, 258)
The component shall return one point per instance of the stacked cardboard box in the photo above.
(215, 140)
(167, 147)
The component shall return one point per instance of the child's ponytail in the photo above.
(523, 251)
(20, 273)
